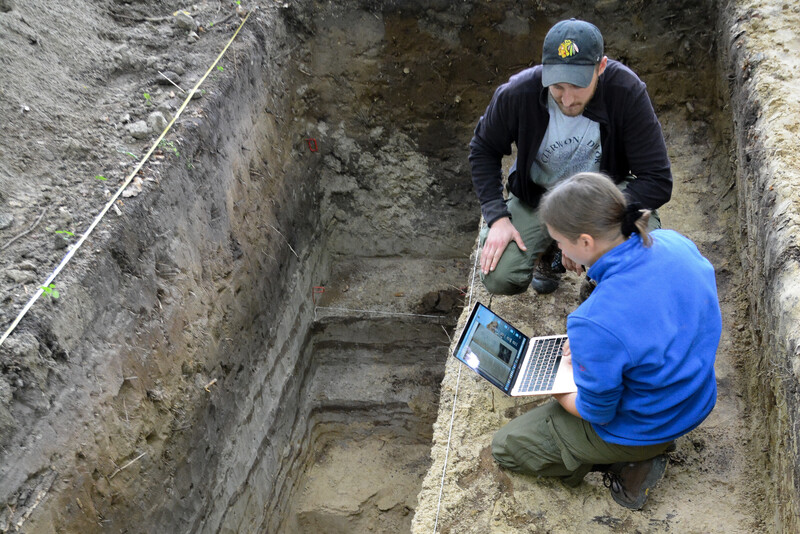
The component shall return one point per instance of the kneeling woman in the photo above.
(642, 345)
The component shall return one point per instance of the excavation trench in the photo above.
(385, 103)
(291, 286)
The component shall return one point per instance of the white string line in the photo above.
(455, 398)
(376, 312)
(114, 198)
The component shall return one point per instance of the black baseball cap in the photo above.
(572, 49)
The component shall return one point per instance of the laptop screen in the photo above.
(491, 346)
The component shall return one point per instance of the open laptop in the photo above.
(509, 359)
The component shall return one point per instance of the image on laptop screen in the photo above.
(491, 346)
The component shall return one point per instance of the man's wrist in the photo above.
(507, 216)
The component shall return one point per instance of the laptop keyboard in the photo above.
(543, 366)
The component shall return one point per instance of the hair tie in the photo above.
(633, 212)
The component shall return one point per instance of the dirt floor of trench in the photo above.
(79, 79)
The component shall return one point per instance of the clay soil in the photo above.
(85, 88)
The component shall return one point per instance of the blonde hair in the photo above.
(590, 203)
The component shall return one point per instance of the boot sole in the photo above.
(653, 477)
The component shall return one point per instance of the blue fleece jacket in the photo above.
(644, 343)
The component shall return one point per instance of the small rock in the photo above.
(375, 134)
(185, 21)
(6, 221)
(60, 242)
(165, 108)
(139, 129)
(74, 149)
(19, 277)
(169, 77)
(447, 301)
(193, 37)
(156, 121)
(156, 394)
(6, 392)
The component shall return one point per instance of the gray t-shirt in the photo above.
(570, 145)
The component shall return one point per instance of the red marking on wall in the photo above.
(312, 144)
(316, 290)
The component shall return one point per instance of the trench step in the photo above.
(417, 286)
(385, 331)
(366, 379)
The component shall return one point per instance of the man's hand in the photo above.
(571, 265)
(501, 233)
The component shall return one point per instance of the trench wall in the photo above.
(176, 341)
(762, 72)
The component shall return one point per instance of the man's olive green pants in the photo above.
(548, 441)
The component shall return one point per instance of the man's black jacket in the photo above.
(631, 138)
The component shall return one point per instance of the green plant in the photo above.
(169, 146)
(220, 68)
(100, 177)
(50, 291)
(65, 232)
(147, 98)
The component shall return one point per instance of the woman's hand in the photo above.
(567, 400)
(571, 265)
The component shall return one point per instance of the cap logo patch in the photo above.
(568, 48)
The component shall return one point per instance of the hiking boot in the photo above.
(547, 273)
(630, 483)
(543, 283)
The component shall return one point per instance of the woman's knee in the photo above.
(500, 452)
